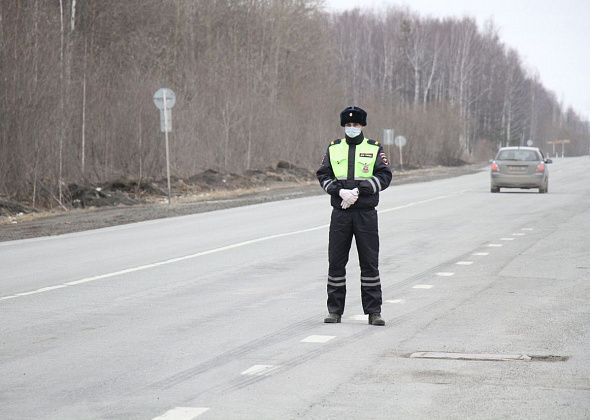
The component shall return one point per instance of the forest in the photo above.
(256, 81)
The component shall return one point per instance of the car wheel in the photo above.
(545, 188)
(495, 189)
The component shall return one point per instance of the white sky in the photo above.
(551, 36)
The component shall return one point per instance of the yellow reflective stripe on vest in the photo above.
(365, 158)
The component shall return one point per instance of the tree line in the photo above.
(256, 81)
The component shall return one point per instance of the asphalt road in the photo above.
(219, 315)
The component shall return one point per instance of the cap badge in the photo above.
(350, 115)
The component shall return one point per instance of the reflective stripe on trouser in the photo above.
(362, 224)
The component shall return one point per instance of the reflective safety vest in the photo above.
(365, 158)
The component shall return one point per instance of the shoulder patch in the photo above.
(373, 142)
(336, 142)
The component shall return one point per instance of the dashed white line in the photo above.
(518, 234)
(495, 245)
(318, 338)
(182, 413)
(464, 262)
(200, 254)
(445, 274)
(259, 370)
(395, 301)
(507, 239)
(423, 286)
(481, 254)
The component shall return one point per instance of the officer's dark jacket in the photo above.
(368, 191)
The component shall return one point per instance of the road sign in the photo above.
(164, 98)
(529, 143)
(388, 136)
(400, 141)
(166, 120)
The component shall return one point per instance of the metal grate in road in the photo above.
(487, 357)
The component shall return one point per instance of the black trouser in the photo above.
(363, 225)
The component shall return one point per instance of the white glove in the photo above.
(349, 197)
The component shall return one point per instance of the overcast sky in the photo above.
(552, 36)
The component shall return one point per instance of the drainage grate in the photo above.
(487, 357)
(550, 358)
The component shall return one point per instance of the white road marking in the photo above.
(507, 239)
(34, 292)
(464, 262)
(201, 254)
(259, 370)
(405, 206)
(318, 338)
(358, 317)
(481, 254)
(445, 274)
(423, 286)
(495, 245)
(529, 229)
(395, 301)
(182, 413)
(518, 234)
(165, 262)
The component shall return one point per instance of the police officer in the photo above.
(354, 170)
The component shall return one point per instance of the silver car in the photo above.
(519, 167)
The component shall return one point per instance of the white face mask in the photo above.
(352, 131)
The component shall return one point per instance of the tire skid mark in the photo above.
(301, 327)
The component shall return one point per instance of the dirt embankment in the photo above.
(128, 201)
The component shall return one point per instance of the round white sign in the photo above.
(400, 141)
(529, 143)
(164, 93)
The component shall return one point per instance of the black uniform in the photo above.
(360, 221)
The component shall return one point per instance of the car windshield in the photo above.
(519, 155)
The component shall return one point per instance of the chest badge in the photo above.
(365, 168)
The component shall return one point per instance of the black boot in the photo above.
(375, 319)
(333, 319)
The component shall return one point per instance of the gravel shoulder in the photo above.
(57, 223)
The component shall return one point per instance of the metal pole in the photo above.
(401, 159)
(389, 151)
(392, 134)
(84, 122)
(562, 149)
(167, 146)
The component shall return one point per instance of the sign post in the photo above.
(400, 141)
(563, 143)
(388, 140)
(164, 99)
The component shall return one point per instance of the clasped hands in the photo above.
(349, 197)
